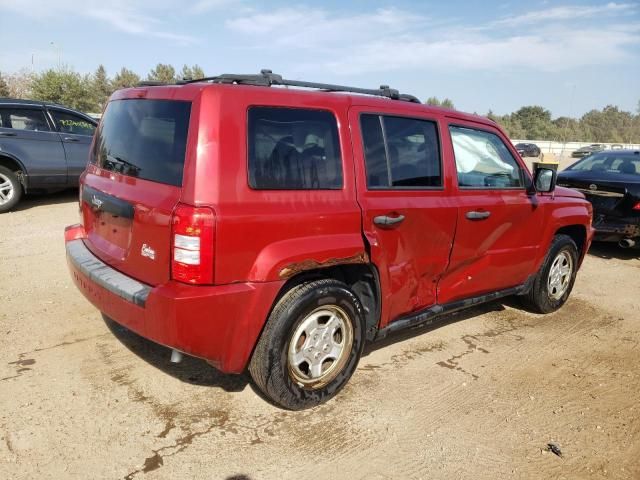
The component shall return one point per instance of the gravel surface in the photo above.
(483, 394)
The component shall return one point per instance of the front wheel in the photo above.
(554, 281)
(310, 346)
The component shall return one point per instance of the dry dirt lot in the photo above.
(479, 395)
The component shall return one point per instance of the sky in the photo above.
(568, 56)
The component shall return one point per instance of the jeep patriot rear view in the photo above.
(278, 229)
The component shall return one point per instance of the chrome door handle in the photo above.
(70, 139)
(474, 215)
(385, 220)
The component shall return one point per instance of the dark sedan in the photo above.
(611, 182)
(588, 150)
(528, 149)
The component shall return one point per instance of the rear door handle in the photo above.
(70, 139)
(7, 134)
(385, 220)
(474, 215)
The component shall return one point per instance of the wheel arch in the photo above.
(15, 165)
(578, 233)
(363, 279)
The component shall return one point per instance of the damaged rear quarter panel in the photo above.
(284, 259)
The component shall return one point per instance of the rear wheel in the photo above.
(554, 281)
(310, 346)
(10, 189)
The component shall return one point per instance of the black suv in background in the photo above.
(43, 147)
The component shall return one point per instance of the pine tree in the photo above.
(101, 87)
(4, 87)
(125, 78)
(163, 73)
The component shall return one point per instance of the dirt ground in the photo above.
(480, 395)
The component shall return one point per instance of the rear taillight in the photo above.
(637, 207)
(192, 236)
(80, 205)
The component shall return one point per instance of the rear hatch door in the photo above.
(133, 183)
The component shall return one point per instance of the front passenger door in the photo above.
(499, 224)
(76, 134)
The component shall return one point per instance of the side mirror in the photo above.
(544, 179)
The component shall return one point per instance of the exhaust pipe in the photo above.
(176, 356)
(627, 243)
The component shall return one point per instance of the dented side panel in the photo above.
(286, 258)
(312, 264)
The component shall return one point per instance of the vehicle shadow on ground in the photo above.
(190, 370)
(610, 250)
(33, 200)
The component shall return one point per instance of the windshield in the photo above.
(144, 138)
(609, 163)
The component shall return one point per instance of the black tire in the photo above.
(539, 298)
(16, 189)
(269, 366)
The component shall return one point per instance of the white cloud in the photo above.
(202, 6)
(393, 39)
(305, 27)
(566, 13)
(124, 16)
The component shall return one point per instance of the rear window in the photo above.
(144, 138)
(293, 149)
(609, 163)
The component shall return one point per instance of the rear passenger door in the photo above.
(26, 134)
(76, 133)
(408, 216)
(499, 224)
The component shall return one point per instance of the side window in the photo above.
(400, 152)
(69, 123)
(483, 160)
(293, 149)
(24, 119)
(374, 151)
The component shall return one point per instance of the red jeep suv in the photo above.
(278, 229)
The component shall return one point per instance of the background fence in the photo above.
(564, 149)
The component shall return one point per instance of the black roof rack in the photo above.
(267, 78)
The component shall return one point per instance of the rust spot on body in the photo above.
(312, 264)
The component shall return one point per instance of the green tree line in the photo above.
(533, 122)
(87, 93)
(90, 92)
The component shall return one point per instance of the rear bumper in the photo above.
(218, 323)
(615, 229)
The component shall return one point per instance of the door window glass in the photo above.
(23, 119)
(73, 124)
(483, 160)
(401, 152)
